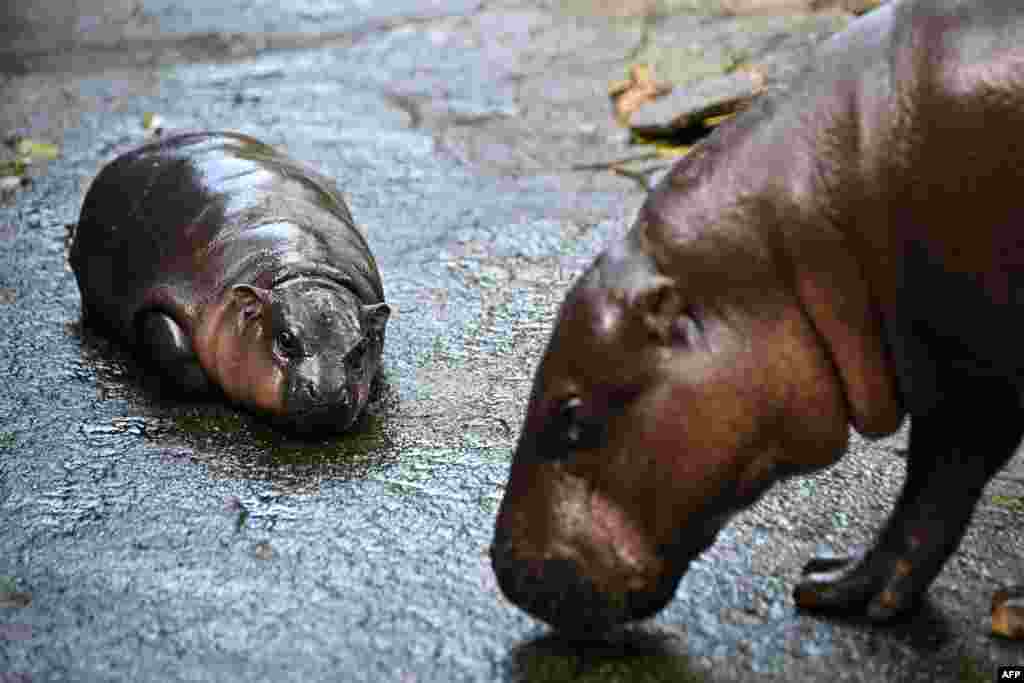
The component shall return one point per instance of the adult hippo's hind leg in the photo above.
(163, 341)
(954, 450)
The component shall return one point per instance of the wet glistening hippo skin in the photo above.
(228, 265)
(848, 254)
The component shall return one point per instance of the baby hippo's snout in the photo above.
(316, 388)
(337, 397)
(325, 399)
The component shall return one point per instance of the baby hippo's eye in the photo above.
(288, 343)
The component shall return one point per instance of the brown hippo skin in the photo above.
(847, 255)
(231, 266)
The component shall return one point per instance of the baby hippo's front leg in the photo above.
(167, 346)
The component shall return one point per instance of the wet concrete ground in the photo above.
(146, 539)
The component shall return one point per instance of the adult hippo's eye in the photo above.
(575, 430)
(688, 328)
(572, 429)
(288, 343)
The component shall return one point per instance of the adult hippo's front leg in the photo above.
(945, 478)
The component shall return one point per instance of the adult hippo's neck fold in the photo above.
(753, 215)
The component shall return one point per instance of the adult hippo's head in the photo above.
(659, 408)
(304, 353)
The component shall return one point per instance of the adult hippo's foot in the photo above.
(1008, 612)
(945, 478)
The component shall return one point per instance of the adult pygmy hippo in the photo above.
(228, 264)
(845, 256)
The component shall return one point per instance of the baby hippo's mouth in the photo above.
(317, 420)
(335, 415)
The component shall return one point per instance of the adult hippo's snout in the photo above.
(558, 590)
(585, 564)
(570, 550)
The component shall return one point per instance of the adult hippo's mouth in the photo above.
(556, 587)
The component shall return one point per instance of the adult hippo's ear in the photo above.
(374, 318)
(668, 320)
(251, 301)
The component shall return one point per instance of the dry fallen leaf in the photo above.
(33, 149)
(263, 551)
(756, 74)
(1008, 613)
(15, 599)
(14, 168)
(632, 93)
(152, 122)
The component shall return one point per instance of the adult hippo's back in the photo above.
(845, 255)
(228, 264)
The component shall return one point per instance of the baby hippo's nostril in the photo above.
(312, 390)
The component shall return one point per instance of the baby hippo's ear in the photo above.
(250, 300)
(374, 317)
